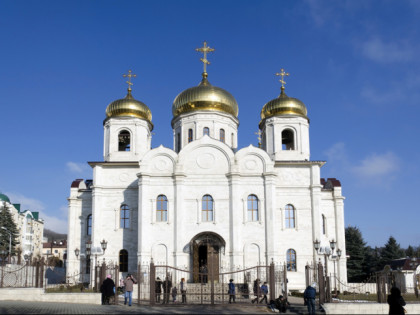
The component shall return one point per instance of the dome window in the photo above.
(222, 135)
(287, 140)
(190, 135)
(206, 131)
(124, 141)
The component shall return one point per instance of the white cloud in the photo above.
(76, 167)
(337, 152)
(377, 50)
(54, 223)
(378, 165)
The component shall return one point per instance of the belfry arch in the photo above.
(206, 248)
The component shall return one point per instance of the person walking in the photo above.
(257, 291)
(264, 291)
(166, 286)
(174, 294)
(183, 288)
(107, 290)
(396, 302)
(231, 291)
(309, 298)
(128, 284)
(158, 289)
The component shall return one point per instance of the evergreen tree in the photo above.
(371, 262)
(355, 246)
(7, 222)
(410, 251)
(391, 251)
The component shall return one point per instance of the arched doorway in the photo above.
(206, 248)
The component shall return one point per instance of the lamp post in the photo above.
(413, 264)
(337, 258)
(10, 242)
(89, 250)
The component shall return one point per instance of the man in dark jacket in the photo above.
(158, 289)
(129, 283)
(309, 298)
(107, 289)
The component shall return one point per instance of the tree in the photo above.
(391, 251)
(355, 246)
(7, 222)
(371, 262)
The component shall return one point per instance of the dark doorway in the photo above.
(206, 248)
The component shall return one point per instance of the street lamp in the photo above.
(337, 258)
(77, 252)
(10, 242)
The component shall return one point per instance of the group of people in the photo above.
(168, 290)
(126, 285)
(259, 291)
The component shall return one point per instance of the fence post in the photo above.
(272, 282)
(307, 275)
(139, 276)
(285, 280)
(321, 283)
(117, 283)
(41, 274)
(37, 274)
(327, 290)
(152, 283)
(2, 273)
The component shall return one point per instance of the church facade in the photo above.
(249, 206)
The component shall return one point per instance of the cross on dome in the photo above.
(205, 49)
(129, 76)
(282, 74)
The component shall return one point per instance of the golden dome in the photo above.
(284, 105)
(129, 106)
(205, 97)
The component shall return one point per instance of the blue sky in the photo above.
(353, 63)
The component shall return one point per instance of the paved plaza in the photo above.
(21, 307)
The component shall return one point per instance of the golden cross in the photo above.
(259, 137)
(282, 74)
(205, 49)
(129, 76)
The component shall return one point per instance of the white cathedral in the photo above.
(249, 206)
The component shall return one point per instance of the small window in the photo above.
(290, 217)
(190, 135)
(222, 135)
(178, 142)
(89, 225)
(324, 225)
(287, 140)
(252, 208)
(291, 260)
(207, 208)
(123, 260)
(233, 140)
(124, 217)
(161, 208)
(124, 141)
(206, 131)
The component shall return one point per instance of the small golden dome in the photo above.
(129, 106)
(205, 97)
(284, 105)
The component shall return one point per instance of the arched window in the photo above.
(233, 139)
(124, 217)
(124, 141)
(207, 208)
(291, 260)
(89, 225)
(324, 225)
(161, 208)
(178, 142)
(290, 216)
(206, 131)
(190, 135)
(222, 135)
(252, 208)
(287, 140)
(123, 260)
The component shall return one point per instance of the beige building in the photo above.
(56, 248)
(31, 230)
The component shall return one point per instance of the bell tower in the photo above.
(127, 128)
(285, 127)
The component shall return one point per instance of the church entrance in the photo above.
(206, 249)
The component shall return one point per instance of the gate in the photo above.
(162, 283)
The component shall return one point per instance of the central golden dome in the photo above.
(205, 97)
(129, 106)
